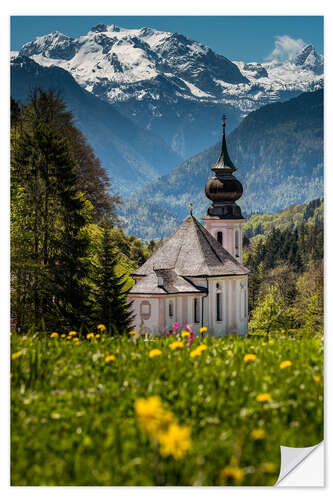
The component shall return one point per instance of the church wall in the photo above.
(228, 229)
(234, 306)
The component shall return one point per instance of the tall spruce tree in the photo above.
(110, 301)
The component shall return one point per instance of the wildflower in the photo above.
(283, 331)
(177, 344)
(132, 332)
(16, 355)
(185, 334)
(271, 341)
(155, 352)
(203, 329)
(72, 333)
(262, 398)
(257, 434)
(109, 358)
(98, 336)
(90, 336)
(102, 328)
(188, 328)
(153, 418)
(285, 364)
(249, 357)
(176, 441)
(54, 335)
(63, 335)
(198, 350)
(232, 473)
(268, 467)
(316, 378)
(75, 339)
(229, 352)
(176, 326)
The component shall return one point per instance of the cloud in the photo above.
(285, 48)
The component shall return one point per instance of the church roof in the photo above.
(171, 282)
(191, 252)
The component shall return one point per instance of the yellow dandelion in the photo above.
(285, 364)
(153, 418)
(102, 328)
(109, 358)
(268, 467)
(98, 336)
(16, 355)
(184, 334)
(54, 335)
(72, 333)
(132, 332)
(263, 397)
(283, 331)
(154, 352)
(258, 434)
(176, 441)
(271, 341)
(229, 352)
(177, 344)
(203, 329)
(63, 335)
(232, 473)
(249, 357)
(195, 353)
(316, 378)
(75, 339)
(90, 335)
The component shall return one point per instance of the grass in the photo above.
(73, 420)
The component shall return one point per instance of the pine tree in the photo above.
(110, 301)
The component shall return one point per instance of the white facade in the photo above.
(223, 310)
(230, 233)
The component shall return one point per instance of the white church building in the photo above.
(197, 276)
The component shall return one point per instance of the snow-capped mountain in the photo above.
(173, 85)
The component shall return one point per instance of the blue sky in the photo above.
(247, 38)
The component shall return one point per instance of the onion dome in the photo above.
(224, 188)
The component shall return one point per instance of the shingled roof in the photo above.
(191, 251)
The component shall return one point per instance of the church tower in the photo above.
(224, 217)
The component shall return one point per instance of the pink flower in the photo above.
(169, 333)
(188, 328)
(176, 326)
(190, 340)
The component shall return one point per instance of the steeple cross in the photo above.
(191, 207)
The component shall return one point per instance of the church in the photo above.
(197, 276)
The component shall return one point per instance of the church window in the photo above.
(219, 306)
(237, 243)
(170, 309)
(220, 237)
(245, 303)
(196, 310)
(145, 309)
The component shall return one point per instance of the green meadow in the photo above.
(75, 417)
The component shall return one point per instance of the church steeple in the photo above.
(224, 217)
(224, 164)
(224, 189)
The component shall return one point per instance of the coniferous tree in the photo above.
(110, 304)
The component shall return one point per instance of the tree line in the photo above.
(286, 289)
(65, 235)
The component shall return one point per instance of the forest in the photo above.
(70, 259)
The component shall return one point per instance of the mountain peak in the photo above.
(310, 59)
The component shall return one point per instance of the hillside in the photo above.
(130, 155)
(278, 152)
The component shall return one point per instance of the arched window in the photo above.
(219, 311)
(170, 309)
(220, 237)
(196, 310)
(237, 243)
